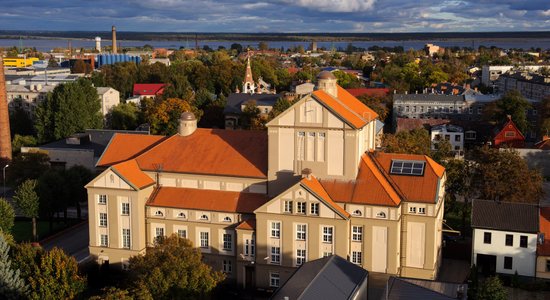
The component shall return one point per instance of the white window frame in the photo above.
(357, 257)
(314, 209)
(182, 215)
(412, 209)
(422, 210)
(227, 267)
(301, 232)
(227, 242)
(126, 238)
(125, 208)
(276, 230)
(328, 234)
(182, 233)
(301, 207)
(102, 199)
(159, 232)
(204, 237)
(103, 219)
(274, 279)
(203, 218)
(104, 240)
(227, 219)
(288, 206)
(327, 254)
(275, 255)
(301, 257)
(357, 233)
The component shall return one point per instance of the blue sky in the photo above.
(277, 15)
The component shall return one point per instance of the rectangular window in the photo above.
(102, 199)
(508, 262)
(457, 138)
(404, 167)
(509, 240)
(102, 219)
(300, 257)
(288, 207)
(275, 229)
(204, 239)
(357, 257)
(253, 246)
(314, 208)
(523, 241)
(159, 232)
(126, 238)
(486, 237)
(227, 267)
(327, 254)
(548, 265)
(274, 279)
(327, 235)
(301, 207)
(356, 233)
(422, 210)
(182, 233)
(227, 242)
(321, 146)
(301, 145)
(301, 232)
(412, 209)
(104, 240)
(310, 151)
(276, 255)
(125, 209)
(470, 110)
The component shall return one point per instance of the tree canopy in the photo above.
(7, 216)
(124, 116)
(12, 285)
(70, 108)
(164, 116)
(512, 104)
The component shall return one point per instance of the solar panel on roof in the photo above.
(407, 167)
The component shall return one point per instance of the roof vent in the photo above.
(188, 124)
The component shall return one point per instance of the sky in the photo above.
(246, 16)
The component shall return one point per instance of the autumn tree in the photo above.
(251, 117)
(7, 216)
(460, 184)
(28, 202)
(173, 269)
(70, 108)
(164, 117)
(416, 141)
(378, 104)
(12, 285)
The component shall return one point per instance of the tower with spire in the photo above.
(249, 87)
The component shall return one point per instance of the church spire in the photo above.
(248, 85)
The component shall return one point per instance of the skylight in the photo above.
(407, 167)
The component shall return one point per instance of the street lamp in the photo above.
(4, 176)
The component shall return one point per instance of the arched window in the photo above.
(227, 219)
(204, 217)
(181, 215)
(159, 213)
(381, 214)
(357, 213)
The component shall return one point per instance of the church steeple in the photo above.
(248, 85)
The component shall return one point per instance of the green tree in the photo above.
(164, 117)
(492, 289)
(27, 166)
(70, 108)
(378, 104)
(544, 117)
(347, 80)
(20, 119)
(173, 269)
(12, 286)
(22, 141)
(76, 178)
(28, 202)
(7, 216)
(416, 141)
(124, 116)
(251, 117)
(280, 106)
(263, 46)
(511, 104)
(460, 183)
(113, 293)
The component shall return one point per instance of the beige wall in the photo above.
(542, 271)
(209, 182)
(108, 100)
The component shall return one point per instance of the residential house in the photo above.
(109, 97)
(152, 90)
(504, 237)
(543, 247)
(261, 203)
(318, 278)
(453, 134)
(509, 136)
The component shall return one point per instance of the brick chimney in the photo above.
(5, 137)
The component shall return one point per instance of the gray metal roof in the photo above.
(326, 278)
(428, 97)
(417, 289)
(506, 216)
(235, 100)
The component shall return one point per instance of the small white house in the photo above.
(453, 134)
(109, 97)
(504, 237)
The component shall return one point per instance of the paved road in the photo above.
(73, 241)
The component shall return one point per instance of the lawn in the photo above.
(22, 229)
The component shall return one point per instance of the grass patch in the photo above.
(22, 229)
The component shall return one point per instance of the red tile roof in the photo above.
(249, 224)
(314, 186)
(131, 173)
(544, 227)
(148, 89)
(353, 111)
(373, 92)
(125, 146)
(240, 153)
(516, 141)
(210, 200)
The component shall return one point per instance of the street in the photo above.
(74, 241)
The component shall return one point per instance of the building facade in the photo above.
(451, 133)
(530, 85)
(259, 204)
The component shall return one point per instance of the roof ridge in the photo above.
(346, 106)
(390, 181)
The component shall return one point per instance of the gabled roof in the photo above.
(126, 146)
(314, 186)
(515, 141)
(249, 224)
(326, 278)
(418, 289)
(208, 200)
(130, 172)
(240, 153)
(347, 107)
(505, 216)
(148, 89)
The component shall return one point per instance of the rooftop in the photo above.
(505, 216)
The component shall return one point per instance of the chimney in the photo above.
(5, 137)
(188, 124)
(306, 173)
(114, 40)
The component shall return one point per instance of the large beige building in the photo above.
(259, 204)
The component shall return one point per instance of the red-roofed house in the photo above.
(148, 89)
(258, 204)
(509, 136)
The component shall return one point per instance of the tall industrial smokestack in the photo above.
(5, 138)
(114, 40)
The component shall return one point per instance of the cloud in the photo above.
(335, 5)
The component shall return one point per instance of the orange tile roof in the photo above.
(131, 173)
(125, 146)
(211, 151)
(249, 224)
(347, 107)
(209, 200)
(314, 186)
(544, 227)
(370, 187)
(415, 188)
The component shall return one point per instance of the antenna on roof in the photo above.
(158, 169)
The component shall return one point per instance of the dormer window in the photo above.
(357, 213)
(182, 215)
(381, 215)
(204, 218)
(159, 213)
(227, 219)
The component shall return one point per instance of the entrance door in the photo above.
(487, 264)
(249, 278)
(379, 249)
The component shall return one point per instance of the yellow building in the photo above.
(260, 203)
(18, 62)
